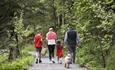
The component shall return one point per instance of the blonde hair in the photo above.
(50, 29)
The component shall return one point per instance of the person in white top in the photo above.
(51, 40)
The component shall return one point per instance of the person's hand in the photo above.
(79, 45)
(64, 47)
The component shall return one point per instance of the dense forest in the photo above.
(94, 20)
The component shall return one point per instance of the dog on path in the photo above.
(67, 60)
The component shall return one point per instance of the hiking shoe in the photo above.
(60, 62)
(36, 61)
(53, 61)
(40, 61)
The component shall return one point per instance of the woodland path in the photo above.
(45, 65)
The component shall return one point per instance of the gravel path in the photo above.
(45, 65)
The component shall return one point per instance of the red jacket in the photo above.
(38, 40)
(59, 52)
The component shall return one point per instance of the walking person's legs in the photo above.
(74, 55)
(72, 51)
(58, 59)
(53, 48)
(38, 54)
(40, 49)
(50, 51)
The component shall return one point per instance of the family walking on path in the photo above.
(71, 39)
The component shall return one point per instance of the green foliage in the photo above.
(27, 48)
(111, 60)
(91, 51)
(3, 57)
(94, 20)
(19, 64)
(99, 68)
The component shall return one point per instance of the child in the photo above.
(59, 52)
(38, 45)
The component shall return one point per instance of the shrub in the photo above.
(19, 64)
(111, 61)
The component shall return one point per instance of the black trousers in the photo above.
(39, 49)
(51, 49)
(72, 51)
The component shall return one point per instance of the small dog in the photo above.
(68, 60)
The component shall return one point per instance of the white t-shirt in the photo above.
(51, 42)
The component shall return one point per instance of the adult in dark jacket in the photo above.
(72, 38)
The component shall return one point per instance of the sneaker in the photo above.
(36, 61)
(60, 62)
(53, 61)
(40, 61)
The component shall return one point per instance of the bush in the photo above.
(19, 64)
(111, 61)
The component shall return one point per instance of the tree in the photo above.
(95, 21)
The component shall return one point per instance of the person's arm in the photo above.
(78, 39)
(46, 36)
(41, 38)
(55, 35)
(65, 39)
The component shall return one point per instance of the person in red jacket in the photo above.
(59, 52)
(38, 45)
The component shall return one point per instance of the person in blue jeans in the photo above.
(72, 38)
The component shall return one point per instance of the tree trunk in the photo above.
(63, 18)
(103, 57)
(58, 20)
(17, 51)
(54, 15)
(11, 54)
(17, 47)
(14, 51)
